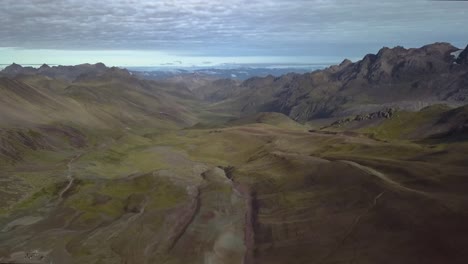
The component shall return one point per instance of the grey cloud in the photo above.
(241, 27)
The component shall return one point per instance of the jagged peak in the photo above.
(368, 57)
(44, 66)
(438, 45)
(441, 48)
(120, 71)
(345, 62)
(106, 72)
(383, 50)
(14, 65)
(387, 49)
(335, 68)
(14, 69)
(100, 65)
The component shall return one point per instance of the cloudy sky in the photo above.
(186, 32)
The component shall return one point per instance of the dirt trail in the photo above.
(396, 185)
(70, 177)
(30, 220)
(23, 221)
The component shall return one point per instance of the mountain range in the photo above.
(361, 162)
(238, 72)
(408, 79)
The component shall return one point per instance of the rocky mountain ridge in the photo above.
(69, 73)
(410, 77)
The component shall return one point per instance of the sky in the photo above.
(210, 32)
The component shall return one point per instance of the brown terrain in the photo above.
(362, 162)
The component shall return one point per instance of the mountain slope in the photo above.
(103, 98)
(404, 78)
(93, 105)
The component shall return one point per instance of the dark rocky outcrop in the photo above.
(387, 114)
(103, 73)
(408, 79)
(15, 69)
(463, 57)
(44, 67)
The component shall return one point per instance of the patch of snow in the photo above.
(456, 54)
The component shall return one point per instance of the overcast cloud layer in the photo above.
(232, 27)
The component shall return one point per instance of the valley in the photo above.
(101, 166)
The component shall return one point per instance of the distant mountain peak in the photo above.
(102, 72)
(118, 71)
(14, 66)
(44, 67)
(100, 65)
(434, 48)
(345, 62)
(439, 46)
(15, 69)
(399, 63)
(70, 73)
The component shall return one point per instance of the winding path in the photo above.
(381, 176)
(70, 177)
